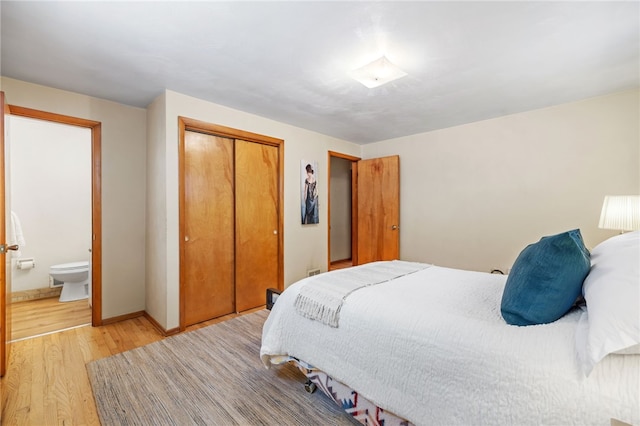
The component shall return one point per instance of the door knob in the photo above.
(394, 227)
(4, 248)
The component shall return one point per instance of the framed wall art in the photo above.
(309, 192)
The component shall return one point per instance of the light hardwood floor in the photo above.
(341, 264)
(47, 382)
(35, 317)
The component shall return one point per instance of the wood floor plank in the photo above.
(54, 368)
(77, 383)
(37, 386)
(17, 398)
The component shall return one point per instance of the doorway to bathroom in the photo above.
(49, 177)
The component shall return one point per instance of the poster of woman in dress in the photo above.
(309, 204)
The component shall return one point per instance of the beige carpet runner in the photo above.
(211, 376)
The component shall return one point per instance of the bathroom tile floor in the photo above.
(36, 317)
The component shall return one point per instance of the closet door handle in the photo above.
(394, 227)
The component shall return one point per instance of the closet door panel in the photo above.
(256, 222)
(209, 227)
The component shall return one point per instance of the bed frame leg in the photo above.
(309, 386)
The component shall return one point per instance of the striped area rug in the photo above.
(210, 376)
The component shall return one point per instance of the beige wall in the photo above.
(304, 247)
(474, 196)
(123, 186)
(156, 242)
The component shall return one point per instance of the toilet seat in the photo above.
(72, 266)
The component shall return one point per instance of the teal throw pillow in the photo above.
(546, 279)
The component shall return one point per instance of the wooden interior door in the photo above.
(5, 320)
(257, 204)
(208, 261)
(378, 209)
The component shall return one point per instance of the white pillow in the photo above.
(611, 322)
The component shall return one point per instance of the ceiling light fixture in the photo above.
(377, 73)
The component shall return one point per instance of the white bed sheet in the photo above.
(433, 348)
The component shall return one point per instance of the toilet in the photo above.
(74, 278)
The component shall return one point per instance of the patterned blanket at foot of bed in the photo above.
(361, 409)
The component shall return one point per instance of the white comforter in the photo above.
(433, 348)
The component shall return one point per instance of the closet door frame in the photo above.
(188, 124)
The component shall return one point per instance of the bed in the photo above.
(429, 345)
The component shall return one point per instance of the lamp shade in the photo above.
(620, 212)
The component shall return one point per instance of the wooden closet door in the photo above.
(257, 230)
(209, 227)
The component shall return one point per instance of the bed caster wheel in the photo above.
(309, 386)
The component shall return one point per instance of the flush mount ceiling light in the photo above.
(377, 73)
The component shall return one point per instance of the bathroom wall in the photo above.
(50, 172)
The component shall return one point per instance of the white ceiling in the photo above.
(288, 61)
